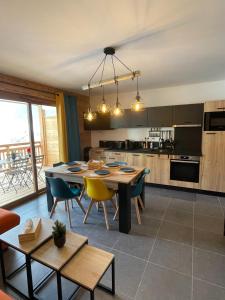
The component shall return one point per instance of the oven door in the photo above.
(214, 121)
(184, 170)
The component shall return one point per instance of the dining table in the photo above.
(116, 180)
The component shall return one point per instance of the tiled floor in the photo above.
(178, 252)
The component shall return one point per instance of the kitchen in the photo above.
(182, 145)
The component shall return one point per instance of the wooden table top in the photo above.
(116, 175)
(87, 266)
(10, 237)
(55, 257)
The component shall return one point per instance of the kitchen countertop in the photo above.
(155, 151)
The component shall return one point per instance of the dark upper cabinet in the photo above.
(119, 121)
(136, 119)
(102, 122)
(188, 114)
(161, 116)
(130, 119)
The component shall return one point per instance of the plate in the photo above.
(112, 165)
(102, 172)
(75, 170)
(127, 170)
(72, 163)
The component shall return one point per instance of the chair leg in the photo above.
(113, 204)
(81, 206)
(141, 202)
(137, 210)
(71, 202)
(68, 211)
(82, 193)
(65, 206)
(117, 210)
(88, 211)
(53, 208)
(106, 215)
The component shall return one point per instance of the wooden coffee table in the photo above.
(55, 258)
(11, 239)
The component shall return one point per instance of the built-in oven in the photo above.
(185, 168)
(214, 121)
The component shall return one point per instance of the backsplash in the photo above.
(136, 134)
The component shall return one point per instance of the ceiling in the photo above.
(60, 42)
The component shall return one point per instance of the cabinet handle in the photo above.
(136, 154)
(116, 153)
(139, 125)
(220, 107)
(210, 132)
(150, 155)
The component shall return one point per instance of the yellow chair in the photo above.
(99, 193)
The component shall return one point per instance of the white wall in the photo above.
(184, 94)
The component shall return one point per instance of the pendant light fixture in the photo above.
(138, 104)
(90, 115)
(117, 110)
(103, 108)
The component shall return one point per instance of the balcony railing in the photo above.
(19, 148)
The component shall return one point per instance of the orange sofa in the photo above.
(8, 220)
(4, 296)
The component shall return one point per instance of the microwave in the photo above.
(214, 121)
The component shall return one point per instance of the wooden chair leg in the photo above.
(106, 215)
(116, 213)
(113, 204)
(141, 202)
(71, 202)
(137, 210)
(65, 206)
(81, 206)
(53, 208)
(68, 211)
(88, 211)
(82, 193)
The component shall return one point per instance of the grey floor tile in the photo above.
(207, 199)
(101, 295)
(211, 224)
(181, 195)
(174, 232)
(136, 245)
(128, 273)
(212, 209)
(209, 266)
(222, 201)
(186, 205)
(209, 241)
(180, 217)
(160, 284)
(173, 255)
(149, 227)
(206, 291)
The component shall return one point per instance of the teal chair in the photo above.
(136, 191)
(61, 191)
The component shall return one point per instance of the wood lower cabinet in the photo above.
(115, 156)
(159, 166)
(135, 159)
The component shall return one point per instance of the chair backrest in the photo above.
(138, 187)
(59, 188)
(96, 189)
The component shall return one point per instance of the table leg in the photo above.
(59, 285)
(50, 200)
(2, 263)
(124, 207)
(92, 295)
(113, 276)
(29, 277)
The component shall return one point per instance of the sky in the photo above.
(14, 122)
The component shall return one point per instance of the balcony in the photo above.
(16, 176)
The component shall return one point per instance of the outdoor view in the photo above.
(16, 171)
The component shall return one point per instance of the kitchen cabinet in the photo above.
(135, 159)
(119, 121)
(159, 166)
(136, 119)
(115, 156)
(150, 163)
(189, 114)
(160, 116)
(97, 154)
(213, 161)
(102, 122)
(214, 106)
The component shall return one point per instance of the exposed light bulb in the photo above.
(90, 116)
(137, 106)
(103, 108)
(117, 111)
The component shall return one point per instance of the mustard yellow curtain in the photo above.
(62, 130)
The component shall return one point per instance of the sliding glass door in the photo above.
(28, 145)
